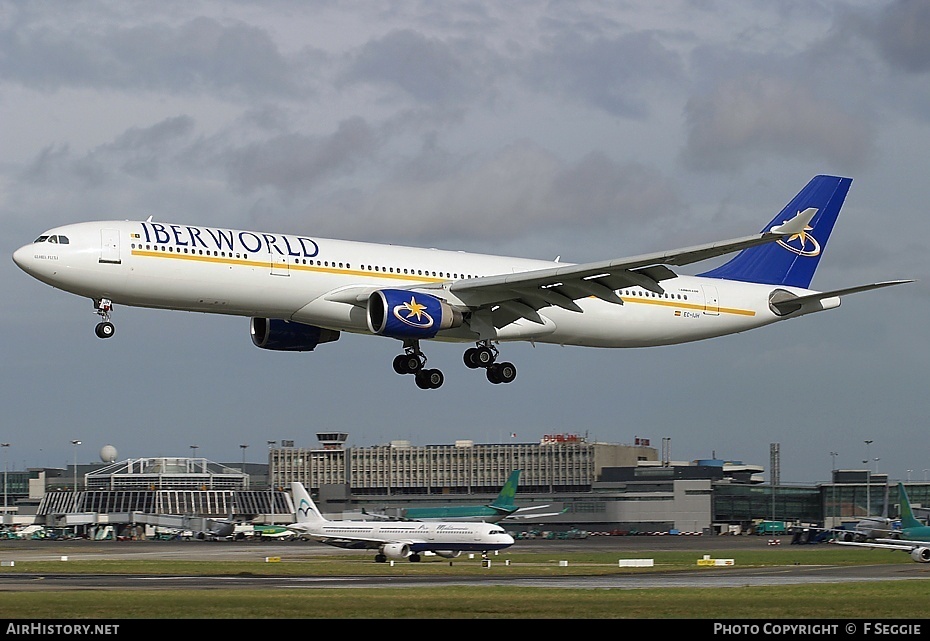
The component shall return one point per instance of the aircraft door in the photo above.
(279, 266)
(711, 302)
(109, 246)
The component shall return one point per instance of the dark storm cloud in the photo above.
(137, 152)
(202, 54)
(752, 118)
(430, 70)
(522, 188)
(607, 73)
(901, 32)
(297, 162)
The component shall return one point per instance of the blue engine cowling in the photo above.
(289, 336)
(401, 313)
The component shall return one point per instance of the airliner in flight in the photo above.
(396, 540)
(302, 291)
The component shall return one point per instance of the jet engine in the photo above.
(921, 555)
(395, 550)
(289, 336)
(401, 313)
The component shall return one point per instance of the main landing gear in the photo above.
(104, 328)
(413, 361)
(483, 355)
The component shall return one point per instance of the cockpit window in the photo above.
(63, 240)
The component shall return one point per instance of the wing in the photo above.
(525, 513)
(520, 295)
(529, 517)
(788, 305)
(884, 544)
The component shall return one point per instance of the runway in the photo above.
(251, 551)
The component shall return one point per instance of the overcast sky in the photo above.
(586, 130)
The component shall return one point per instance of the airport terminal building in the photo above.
(593, 486)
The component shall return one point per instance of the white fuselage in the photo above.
(192, 268)
(417, 536)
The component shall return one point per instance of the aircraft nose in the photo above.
(22, 257)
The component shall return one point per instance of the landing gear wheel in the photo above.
(414, 558)
(407, 364)
(469, 358)
(483, 356)
(104, 329)
(502, 373)
(380, 558)
(429, 379)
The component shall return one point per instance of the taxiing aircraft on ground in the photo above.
(396, 539)
(913, 538)
(502, 508)
(301, 291)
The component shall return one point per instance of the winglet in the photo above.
(796, 225)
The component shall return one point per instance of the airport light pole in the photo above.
(833, 456)
(868, 480)
(75, 443)
(243, 457)
(4, 446)
(271, 445)
(868, 488)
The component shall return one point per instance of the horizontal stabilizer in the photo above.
(793, 304)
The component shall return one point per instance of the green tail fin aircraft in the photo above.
(503, 507)
(913, 538)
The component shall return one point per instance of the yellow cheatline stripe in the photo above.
(265, 264)
(680, 305)
(389, 276)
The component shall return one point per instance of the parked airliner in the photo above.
(301, 291)
(501, 508)
(396, 539)
(913, 538)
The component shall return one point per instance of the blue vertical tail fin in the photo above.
(792, 261)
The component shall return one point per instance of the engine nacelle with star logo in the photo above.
(401, 313)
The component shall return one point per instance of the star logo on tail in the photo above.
(802, 243)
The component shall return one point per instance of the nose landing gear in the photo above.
(104, 328)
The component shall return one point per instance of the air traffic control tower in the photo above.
(332, 440)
